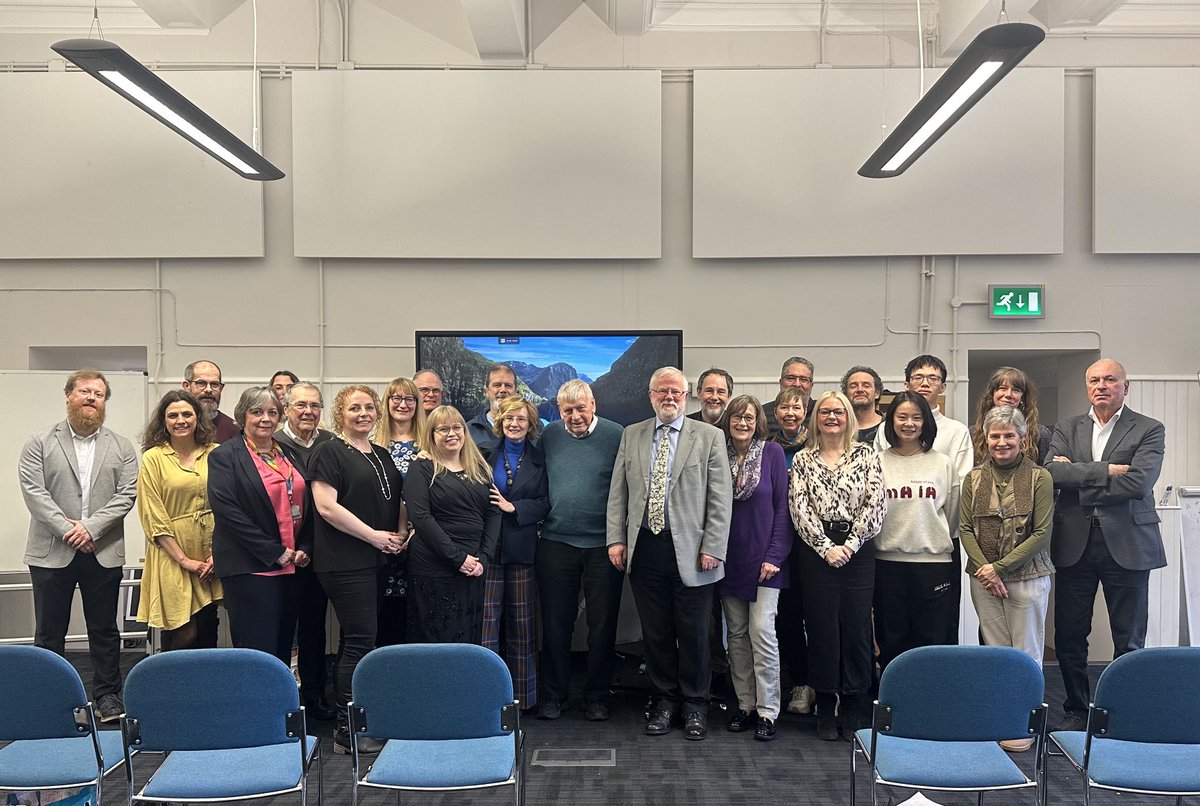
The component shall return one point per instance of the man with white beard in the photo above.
(203, 379)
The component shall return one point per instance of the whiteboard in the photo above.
(34, 401)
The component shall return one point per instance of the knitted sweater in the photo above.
(579, 471)
(922, 507)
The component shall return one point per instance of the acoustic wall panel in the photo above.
(86, 174)
(1147, 180)
(477, 164)
(776, 154)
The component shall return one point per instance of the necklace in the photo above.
(385, 486)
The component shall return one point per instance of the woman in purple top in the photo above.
(760, 538)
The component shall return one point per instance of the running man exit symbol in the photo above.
(1017, 302)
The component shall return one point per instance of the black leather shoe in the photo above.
(317, 707)
(595, 711)
(366, 745)
(764, 731)
(550, 709)
(1072, 720)
(742, 721)
(695, 727)
(659, 723)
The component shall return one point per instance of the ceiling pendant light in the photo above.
(130, 78)
(988, 58)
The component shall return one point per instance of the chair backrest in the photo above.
(432, 691)
(210, 699)
(1152, 695)
(41, 691)
(962, 693)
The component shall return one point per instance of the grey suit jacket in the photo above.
(699, 497)
(1124, 503)
(49, 475)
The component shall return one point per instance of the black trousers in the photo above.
(100, 587)
(262, 612)
(674, 624)
(310, 630)
(837, 609)
(789, 620)
(913, 606)
(561, 571)
(355, 598)
(1126, 594)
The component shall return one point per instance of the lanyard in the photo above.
(278, 462)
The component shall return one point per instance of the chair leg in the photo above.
(979, 798)
(852, 770)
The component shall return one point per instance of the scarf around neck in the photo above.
(746, 478)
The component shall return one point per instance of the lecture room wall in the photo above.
(741, 314)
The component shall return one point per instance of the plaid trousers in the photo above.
(508, 593)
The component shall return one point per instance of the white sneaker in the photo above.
(801, 700)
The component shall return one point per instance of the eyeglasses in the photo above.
(839, 413)
(932, 380)
(426, 391)
(447, 430)
(402, 400)
(672, 393)
(518, 420)
(206, 384)
(305, 406)
(748, 419)
(797, 379)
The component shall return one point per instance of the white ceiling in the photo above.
(499, 27)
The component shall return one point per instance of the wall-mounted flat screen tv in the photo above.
(617, 363)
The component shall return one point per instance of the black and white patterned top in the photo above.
(853, 491)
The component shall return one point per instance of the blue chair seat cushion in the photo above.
(436, 763)
(37, 763)
(946, 765)
(1145, 766)
(218, 774)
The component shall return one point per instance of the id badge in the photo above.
(295, 512)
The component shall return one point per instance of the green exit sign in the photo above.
(1017, 301)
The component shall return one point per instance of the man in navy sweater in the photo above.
(580, 451)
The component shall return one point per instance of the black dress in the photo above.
(452, 517)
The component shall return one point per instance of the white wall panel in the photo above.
(1147, 196)
(88, 174)
(777, 154)
(483, 164)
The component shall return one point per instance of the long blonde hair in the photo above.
(382, 435)
(475, 467)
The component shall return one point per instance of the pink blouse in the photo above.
(276, 484)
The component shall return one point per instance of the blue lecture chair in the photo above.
(446, 715)
(1143, 731)
(51, 726)
(228, 722)
(940, 713)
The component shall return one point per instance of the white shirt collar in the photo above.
(1111, 420)
(588, 433)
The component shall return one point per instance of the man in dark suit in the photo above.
(669, 506)
(79, 480)
(1104, 464)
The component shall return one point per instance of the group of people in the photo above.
(793, 536)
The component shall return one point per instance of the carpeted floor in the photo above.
(727, 768)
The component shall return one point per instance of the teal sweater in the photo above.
(579, 472)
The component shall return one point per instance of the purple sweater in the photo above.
(760, 531)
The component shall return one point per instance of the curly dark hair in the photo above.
(156, 430)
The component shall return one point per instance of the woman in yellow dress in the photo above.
(179, 591)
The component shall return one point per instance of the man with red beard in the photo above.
(203, 379)
(79, 480)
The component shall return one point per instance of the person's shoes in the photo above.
(742, 721)
(801, 700)
(109, 708)
(827, 721)
(659, 723)
(764, 731)
(1016, 745)
(1072, 720)
(595, 711)
(317, 707)
(342, 738)
(550, 709)
(695, 726)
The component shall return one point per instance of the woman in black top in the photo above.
(455, 532)
(356, 490)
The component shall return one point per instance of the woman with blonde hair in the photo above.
(837, 504)
(1009, 386)
(399, 431)
(456, 527)
(356, 491)
(179, 590)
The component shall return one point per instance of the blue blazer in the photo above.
(530, 494)
(246, 537)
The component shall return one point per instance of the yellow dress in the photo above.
(174, 501)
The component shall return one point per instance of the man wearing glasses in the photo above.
(669, 506)
(429, 387)
(797, 373)
(203, 379)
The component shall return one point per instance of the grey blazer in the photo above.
(1124, 503)
(699, 498)
(49, 476)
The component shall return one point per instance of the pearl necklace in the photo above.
(385, 486)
